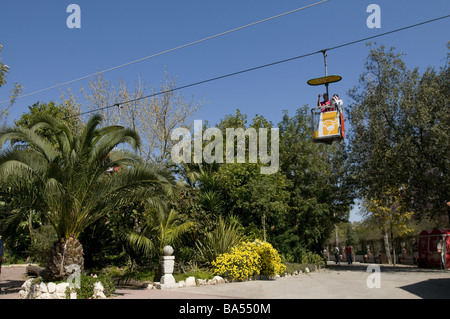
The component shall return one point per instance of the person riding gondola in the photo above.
(324, 104)
(336, 102)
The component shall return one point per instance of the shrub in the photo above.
(248, 259)
(220, 241)
(87, 283)
(44, 238)
(312, 258)
(270, 259)
(240, 263)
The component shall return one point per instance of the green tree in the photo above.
(61, 112)
(68, 182)
(160, 228)
(399, 136)
(391, 216)
(319, 196)
(260, 201)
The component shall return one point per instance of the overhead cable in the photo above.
(263, 66)
(169, 50)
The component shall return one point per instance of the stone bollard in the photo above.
(167, 264)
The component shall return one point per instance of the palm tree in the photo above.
(68, 182)
(160, 228)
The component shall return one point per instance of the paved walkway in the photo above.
(336, 281)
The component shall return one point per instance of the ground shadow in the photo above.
(430, 289)
(10, 286)
(383, 268)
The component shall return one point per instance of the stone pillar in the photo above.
(167, 280)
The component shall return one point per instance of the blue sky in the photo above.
(42, 51)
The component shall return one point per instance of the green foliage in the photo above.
(67, 182)
(398, 141)
(253, 197)
(160, 229)
(399, 138)
(43, 239)
(220, 240)
(312, 258)
(60, 112)
(319, 196)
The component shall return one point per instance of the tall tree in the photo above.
(3, 70)
(15, 92)
(391, 216)
(68, 182)
(259, 200)
(62, 112)
(154, 117)
(319, 197)
(400, 135)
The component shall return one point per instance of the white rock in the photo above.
(51, 287)
(219, 280)
(27, 284)
(44, 295)
(23, 294)
(59, 295)
(35, 291)
(181, 284)
(98, 290)
(190, 281)
(61, 288)
(306, 269)
(100, 295)
(43, 288)
(201, 282)
(98, 286)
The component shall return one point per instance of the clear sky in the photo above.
(42, 51)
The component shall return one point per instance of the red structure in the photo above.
(434, 248)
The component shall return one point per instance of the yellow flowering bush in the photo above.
(270, 259)
(240, 263)
(249, 259)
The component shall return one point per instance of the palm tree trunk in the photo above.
(65, 252)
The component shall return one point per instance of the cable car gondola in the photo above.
(327, 120)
